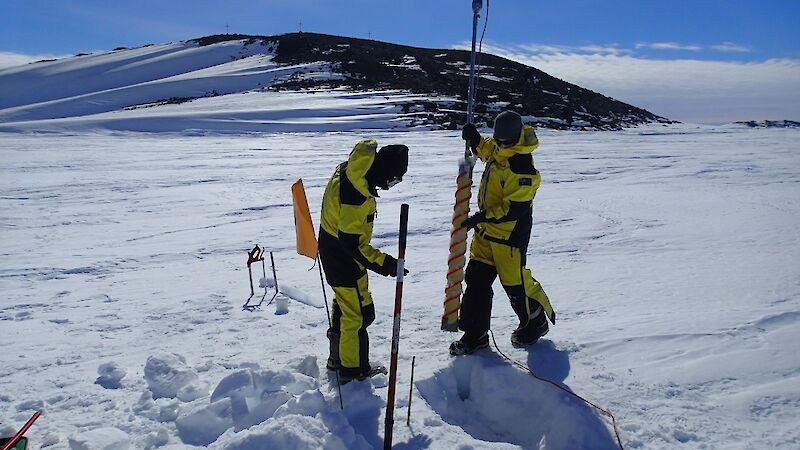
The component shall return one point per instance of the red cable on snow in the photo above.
(599, 408)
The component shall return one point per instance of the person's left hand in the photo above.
(473, 220)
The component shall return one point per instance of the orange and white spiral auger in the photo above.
(458, 234)
(458, 247)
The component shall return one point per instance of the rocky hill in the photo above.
(238, 83)
(771, 123)
(503, 84)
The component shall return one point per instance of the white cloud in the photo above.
(668, 46)
(683, 89)
(731, 47)
(609, 49)
(542, 48)
(11, 59)
(591, 48)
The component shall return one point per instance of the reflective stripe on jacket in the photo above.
(507, 189)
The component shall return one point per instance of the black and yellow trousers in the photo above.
(488, 260)
(353, 310)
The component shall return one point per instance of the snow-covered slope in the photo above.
(242, 84)
(132, 70)
(670, 254)
(152, 88)
(185, 86)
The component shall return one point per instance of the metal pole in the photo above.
(458, 234)
(324, 293)
(411, 390)
(264, 274)
(398, 300)
(328, 313)
(250, 272)
(476, 9)
(274, 273)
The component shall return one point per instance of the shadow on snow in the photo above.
(494, 401)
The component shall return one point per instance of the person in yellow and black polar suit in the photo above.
(348, 213)
(502, 232)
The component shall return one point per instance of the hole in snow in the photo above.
(495, 401)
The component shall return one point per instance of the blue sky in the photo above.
(616, 47)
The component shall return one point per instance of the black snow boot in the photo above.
(532, 329)
(467, 346)
(375, 369)
(334, 363)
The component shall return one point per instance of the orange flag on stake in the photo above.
(306, 239)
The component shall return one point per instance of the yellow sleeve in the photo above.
(355, 232)
(521, 182)
(486, 148)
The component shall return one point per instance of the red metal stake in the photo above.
(398, 300)
(10, 444)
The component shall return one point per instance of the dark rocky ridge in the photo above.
(771, 123)
(436, 73)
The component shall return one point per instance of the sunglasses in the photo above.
(393, 182)
(505, 143)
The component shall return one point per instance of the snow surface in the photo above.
(670, 255)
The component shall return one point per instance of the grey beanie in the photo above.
(507, 127)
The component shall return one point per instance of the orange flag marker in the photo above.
(306, 238)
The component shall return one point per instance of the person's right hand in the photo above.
(390, 265)
(470, 134)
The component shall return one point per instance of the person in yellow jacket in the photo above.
(502, 231)
(349, 209)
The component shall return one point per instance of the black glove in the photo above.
(470, 134)
(473, 220)
(389, 267)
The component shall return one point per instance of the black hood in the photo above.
(390, 162)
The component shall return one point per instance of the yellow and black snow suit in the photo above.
(500, 242)
(348, 211)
